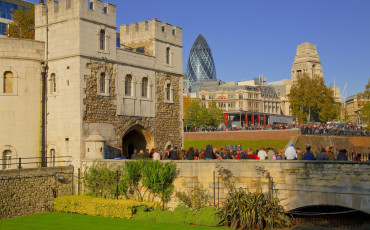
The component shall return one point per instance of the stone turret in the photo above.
(95, 146)
(306, 61)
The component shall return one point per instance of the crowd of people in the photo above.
(290, 153)
(341, 129)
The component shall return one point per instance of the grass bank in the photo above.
(254, 144)
(62, 221)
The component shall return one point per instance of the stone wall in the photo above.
(295, 183)
(239, 135)
(30, 191)
(168, 123)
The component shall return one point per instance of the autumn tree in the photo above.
(364, 102)
(23, 24)
(199, 115)
(186, 101)
(311, 100)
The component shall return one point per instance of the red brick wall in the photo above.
(240, 135)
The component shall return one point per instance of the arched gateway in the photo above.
(138, 138)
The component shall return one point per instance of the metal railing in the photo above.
(24, 162)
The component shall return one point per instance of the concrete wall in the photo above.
(30, 191)
(239, 135)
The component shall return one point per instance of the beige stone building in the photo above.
(352, 108)
(243, 101)
(103, 96)
(306, 61)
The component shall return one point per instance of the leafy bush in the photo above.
(181, 215)
(143, 177)
(244, 210)
(102, 207)
(196, 199)
(101, 180)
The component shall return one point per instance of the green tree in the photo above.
(364, 103)
(23, 25)
(311, 100)
(201, 116)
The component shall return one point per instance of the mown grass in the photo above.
(254, 144)
(56, 221)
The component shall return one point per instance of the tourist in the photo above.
(156, 156)
(279, 155)
(166, 154)
(141, 154)
(290, 153)
(134, 155)
(299, 154)
(308, 155)
(208, 153)
(174, 154)
(331, 153)
(262, 155)
(190, 154)
(270, 154)
(342, 155)
(146, 154)
(323, 156)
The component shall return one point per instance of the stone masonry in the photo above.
(30, 191)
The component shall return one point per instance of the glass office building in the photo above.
(200, 63)
(6, 12)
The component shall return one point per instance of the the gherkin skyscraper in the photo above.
(200, 64)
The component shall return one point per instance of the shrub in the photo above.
(181, 215)
(101, 207)
(101, 180)
(244, 210)
(196, 199)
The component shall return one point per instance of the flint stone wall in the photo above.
(30, 191)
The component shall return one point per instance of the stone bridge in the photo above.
(296, 183)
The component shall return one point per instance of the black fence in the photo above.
(32, 162)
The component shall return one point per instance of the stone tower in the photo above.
(306, 61)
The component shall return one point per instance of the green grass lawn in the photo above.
(64, 221)
(254, 144)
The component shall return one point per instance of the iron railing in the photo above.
(21, 162)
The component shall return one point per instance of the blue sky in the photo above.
(252, 37)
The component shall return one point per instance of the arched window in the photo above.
(53, 83)
(102, 83)
(8, 82)
(7, 159)
(203, 97)
(52, 155)
(144, 87)
(128, 82)
(168, 92)
(102, 39)
(240, 96)
(168, 55)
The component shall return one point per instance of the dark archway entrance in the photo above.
(136, 138)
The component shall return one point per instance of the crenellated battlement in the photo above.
(62, 10)
(151, 29)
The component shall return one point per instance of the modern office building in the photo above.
(6, 12)
(200, 63)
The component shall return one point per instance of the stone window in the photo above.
(240, 96)
(168, 92)
(52, 157)
(102, 40)
(7, 159)
(128, 85)
(240, 104)
(102, 83)
(168, 50)
(68, 4)
(8, 82)
(144, 87)
(173, 31)
(203, 97)
(53, 84)
(162, 28)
